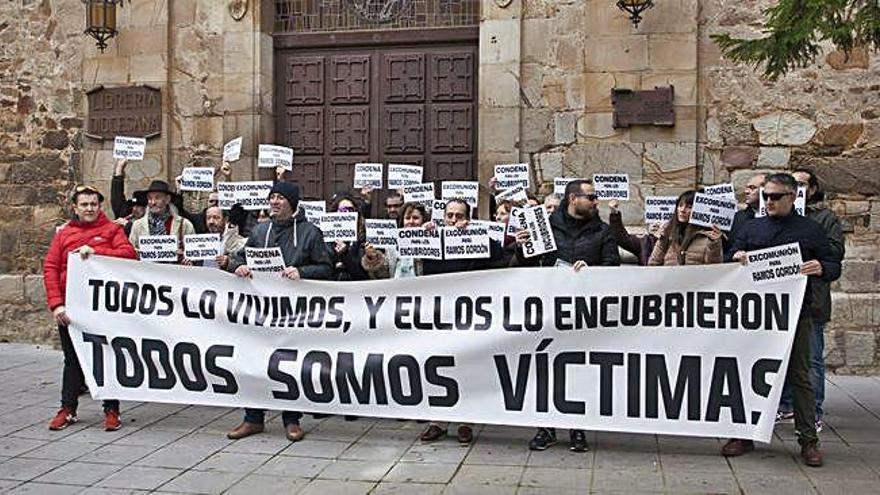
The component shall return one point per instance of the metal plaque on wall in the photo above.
(134, 111)
(649, 107)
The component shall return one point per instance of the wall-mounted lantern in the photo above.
(635, 8)
(101, 20)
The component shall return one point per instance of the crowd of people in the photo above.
(582, 239)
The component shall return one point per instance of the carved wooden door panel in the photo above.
(413, 104)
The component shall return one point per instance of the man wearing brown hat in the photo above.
(162, 217)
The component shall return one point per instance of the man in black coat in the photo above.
(753, 200)
(781, 226)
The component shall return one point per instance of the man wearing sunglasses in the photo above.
(582, 239)
(88, 232)
(783, 225)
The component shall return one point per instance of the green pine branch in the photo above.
(795, 29)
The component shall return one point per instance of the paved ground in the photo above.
(180, 449)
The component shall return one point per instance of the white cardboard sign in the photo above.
(496, 229)
(438, 211)
(339, 226)
(129, 148)
(713, 210)
(471, 242)
(513, 221)
(468, 190)
(313, 210)
(158, 248)
(264, 260)
(560, 183)
(775, 264)
(512, 174)
(516, 194)
(400, 175)
(202, 247)
(381, 233)
(368, 175)
(611, 186)
(418, 242)
(537, 222)
(720, 190)
(197, 179)
(419, 193)
(232, 150)
(251, 195)
(271, 156)
(659, 209)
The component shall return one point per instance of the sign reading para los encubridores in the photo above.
(698, 351)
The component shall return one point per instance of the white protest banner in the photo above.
(129, 148)
(400, 175)
(158, 248)
(560, 183)
(513, 221)
(775, 264)
(264, 260)
(704, 355)
(197, 179)
(800, 201)
(419, 193)
(252, 195)
(201, 247)
(271, 156)
(611, 186)
(511, 175)
(313, 211)
(471, 242)
(516, 194)
(232, 150)
(713, 210)
(467, 190)
(725, 190)
(496, 229)
(536, 220)
(659, 208)
(368, 174)
(339, 226)
(381, 233)
(418, 242)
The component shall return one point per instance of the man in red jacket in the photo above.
(89, 232)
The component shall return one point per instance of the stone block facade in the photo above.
(546, 72)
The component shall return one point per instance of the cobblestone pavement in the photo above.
(183, 449)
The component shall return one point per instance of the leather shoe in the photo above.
(245, 429)
(737, 447)
(465, 434)
(432, 433)
(811, 454)
(295, 432)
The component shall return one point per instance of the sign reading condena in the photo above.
(134, 111)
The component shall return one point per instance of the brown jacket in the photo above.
(697, 249)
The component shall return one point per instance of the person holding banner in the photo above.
(684, 244)
(386, 264)
(582, 239)
(162, 218)
(305, 257)
(88, 232)
(346, 254)
(781, 226)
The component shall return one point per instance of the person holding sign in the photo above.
(582, 239)
(347, 254)
(162, 218)
(125, 210)
(386, 264)
(88, 232)
(305, 257)
(684, 244)
(217, 221)
(781, 226)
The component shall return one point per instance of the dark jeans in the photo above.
(72, 379)
(817, 366)
(801, 383)
(259, 416)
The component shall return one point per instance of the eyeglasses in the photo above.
(591, 197)
(774, 196)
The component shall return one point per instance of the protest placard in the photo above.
(496, 229)
(516, 194)
(129, 148)
(560, 183)
(197, 179)
(158, 248)
(339, 226)
(313, 211)
(513, 221)
(418, 242)
(536, 221)
(368, 175)
(659, 208)
(611, 186)
(381, 233)
(252, 195)
(775, 264)
(400, 175)
(800, 201)
(271, 156)
(725, 190)
(511, 175)
(467, 190)
(232, 150)
(437, 208)
(264, 260)
(471, 242)
(201, 247)
(419, 193)
(713, 210)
